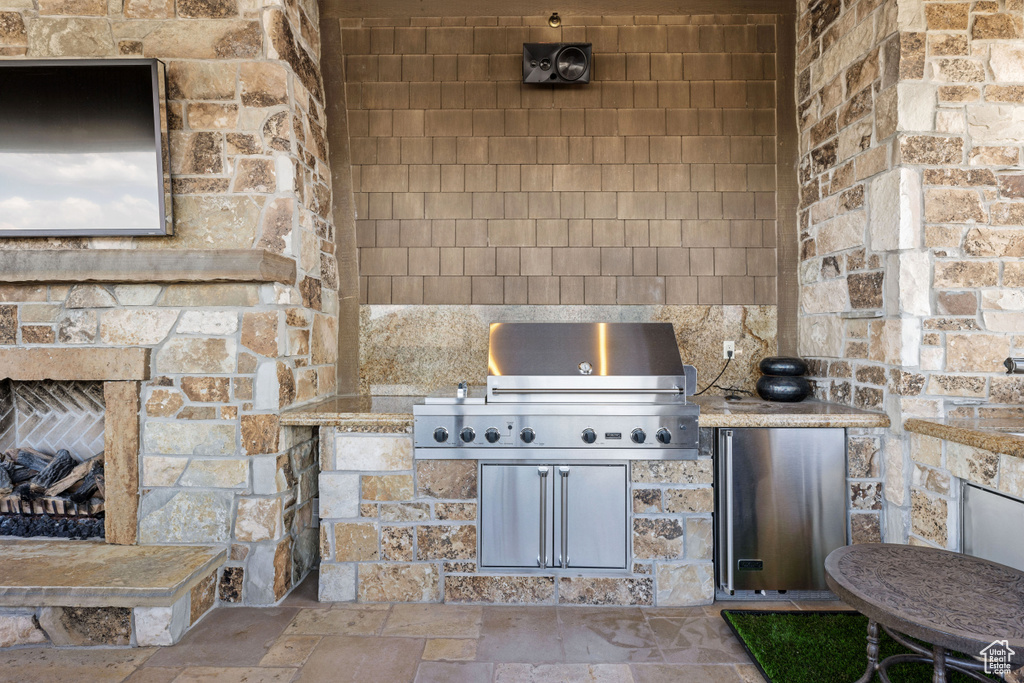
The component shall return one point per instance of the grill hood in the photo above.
(608, 362)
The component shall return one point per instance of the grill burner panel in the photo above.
(593, 391)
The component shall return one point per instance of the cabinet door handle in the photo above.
(728, 510)
(542, 556)
(564, 471)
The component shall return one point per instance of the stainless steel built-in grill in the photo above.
(566, 407)
(589, 390)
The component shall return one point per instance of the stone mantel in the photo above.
(82, 364)
(138, 265)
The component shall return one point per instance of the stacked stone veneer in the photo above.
(911, 115)
(395, 529)
(939, 469)
(250, 171)
(654, 183)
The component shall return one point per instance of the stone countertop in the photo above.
(393, 414)
(715, 411)
(991, 434)
(380, 414)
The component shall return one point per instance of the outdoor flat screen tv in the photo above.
(83, 148)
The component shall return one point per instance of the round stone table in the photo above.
(953, 601)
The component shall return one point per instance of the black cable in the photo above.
(733, 390)
(727, 361)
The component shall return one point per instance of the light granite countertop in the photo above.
(992, 434)
(715, 411)
(393, 414)
(380, 414)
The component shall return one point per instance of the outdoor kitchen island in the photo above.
(395, 529)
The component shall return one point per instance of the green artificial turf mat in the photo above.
(812, 647)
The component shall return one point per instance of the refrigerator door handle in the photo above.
(542, 556)
(728, 512)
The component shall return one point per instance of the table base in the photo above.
(941, 662)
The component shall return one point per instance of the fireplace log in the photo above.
(6, 485)
(19, 475)
(33, 459)
(73, 477)
(86, 490)
(58, 468)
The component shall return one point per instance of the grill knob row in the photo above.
(527, 435)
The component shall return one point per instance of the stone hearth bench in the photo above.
(94, 593)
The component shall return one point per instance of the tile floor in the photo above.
(303, 640)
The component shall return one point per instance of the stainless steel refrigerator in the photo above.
(780, 508)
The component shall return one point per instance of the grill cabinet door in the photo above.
(515, 519)
(591, 516)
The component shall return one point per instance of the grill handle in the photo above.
(542, 556)
(554, 390)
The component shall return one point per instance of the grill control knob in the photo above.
(638, 435)
(664, 436)
(588, 436)
(492, 435)
(440, 435)
(527, 435)
(467, 434)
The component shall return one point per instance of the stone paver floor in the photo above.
(303, 640)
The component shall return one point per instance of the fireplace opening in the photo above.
(51, 459)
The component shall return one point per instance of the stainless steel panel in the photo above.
(571, 349)
(552, 455)
(557, 426)
(993, 526)
(512, 521)
(594, 531)
(788, 499)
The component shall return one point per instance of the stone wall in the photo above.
(250, 170)
(653, 184)
(399, 530)
(965, 147)
(911, 143)
(848, 60)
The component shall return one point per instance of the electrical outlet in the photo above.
(728, 350)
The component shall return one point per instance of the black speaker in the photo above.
(557, 63)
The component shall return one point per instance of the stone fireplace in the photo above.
(63, 420)
(85, 402)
